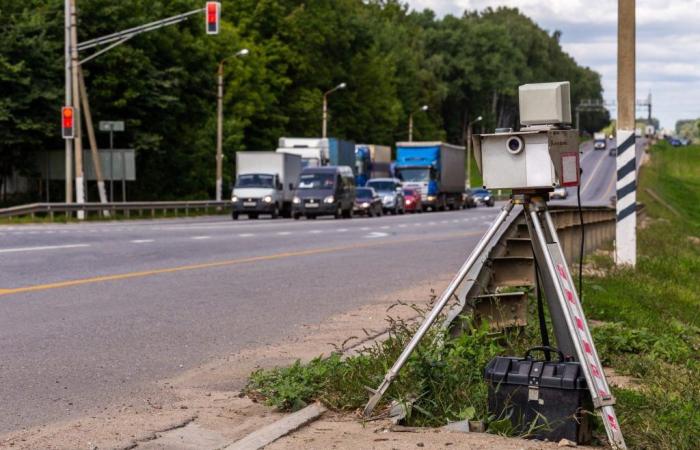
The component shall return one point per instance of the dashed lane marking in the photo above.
(42, 248)
(200, 238)
(141, 241)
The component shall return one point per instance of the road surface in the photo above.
(92, 314)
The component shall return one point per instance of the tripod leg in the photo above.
(435, 312)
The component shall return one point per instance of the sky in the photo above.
(668, 45)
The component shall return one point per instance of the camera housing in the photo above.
(543, 154)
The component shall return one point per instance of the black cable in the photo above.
(540, 315)
(583, 237)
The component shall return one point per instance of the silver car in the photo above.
(390, 191)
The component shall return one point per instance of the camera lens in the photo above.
(515, 145)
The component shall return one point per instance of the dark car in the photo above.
(325, 191)
(413, 200)
(483, 197)
(368, 202)
(612, 151)
(468, 199)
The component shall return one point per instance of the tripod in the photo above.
(570, 326)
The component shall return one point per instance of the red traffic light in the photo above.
(67, 122)
(213, 13)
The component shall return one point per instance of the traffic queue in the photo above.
(313, 177)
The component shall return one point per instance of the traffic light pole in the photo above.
(77, 141)
(68, 101)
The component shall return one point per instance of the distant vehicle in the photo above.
(468, 199)
(391, 192)
(317, 152)
(483, 197)
(371, 161)
(559, 193)
(613, 151)
(265, 183)
(325, 191)
(368, 202)
(414, 201)
(599, 141)
(676, 142)
(436, 169)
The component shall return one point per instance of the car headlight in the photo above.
(329, 199)
(234, 199)
(267, 199)
(431, 198)
(365, 205)
(296, 200)
(408, 202)
(487, 198)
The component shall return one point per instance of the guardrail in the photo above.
(127, 208)
(497, 286)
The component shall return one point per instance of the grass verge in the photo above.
(647, 329)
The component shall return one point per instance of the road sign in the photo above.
(113, 125)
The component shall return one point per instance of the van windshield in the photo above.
(317, 181)
(255, 180)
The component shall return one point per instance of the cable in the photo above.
(583, 237)
(540, 314)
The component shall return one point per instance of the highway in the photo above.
(92, 314)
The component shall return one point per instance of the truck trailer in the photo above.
(265, 183)
(436, 169)
(317, 152)
(371, 161)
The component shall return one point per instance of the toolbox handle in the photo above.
(545, 348)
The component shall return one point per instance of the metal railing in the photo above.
(142, 209)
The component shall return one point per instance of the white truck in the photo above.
(265, 184)
(317, 152)
(599, 141)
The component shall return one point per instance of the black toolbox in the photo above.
(543, 399)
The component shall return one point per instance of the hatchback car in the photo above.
(414, 200)
(483, 197)
(368, 202)
(391, 192)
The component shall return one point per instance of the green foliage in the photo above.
(163, 83)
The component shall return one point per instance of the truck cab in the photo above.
(599, 141)
(255, 194)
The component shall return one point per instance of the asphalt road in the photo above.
(91, 314)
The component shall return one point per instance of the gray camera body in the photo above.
(543, 154)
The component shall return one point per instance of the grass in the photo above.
(647, 328)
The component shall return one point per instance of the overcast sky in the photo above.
(668, 44)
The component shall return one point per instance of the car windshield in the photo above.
(382, 186)
(316, 181)
(363, 193)
(255, 180)
(414, 175)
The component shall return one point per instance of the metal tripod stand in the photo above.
(570, 326)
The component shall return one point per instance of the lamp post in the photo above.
(469, 150)
(220, 124)
(325, 107)
(410, 121)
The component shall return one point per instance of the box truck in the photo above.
(317, 152)
(371, 161)
(265, 183)
(436, 169)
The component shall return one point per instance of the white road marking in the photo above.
(342, 230)
(246, 235)
(199, 238)
(47, 247)
(284, 233)
(376, 234)
(385, 227)
(315, 232)
(365, 228)
(141, 241)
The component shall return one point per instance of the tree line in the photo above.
(163, 83)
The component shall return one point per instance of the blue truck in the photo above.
(371, 161)
(436, 169)
(317, 152)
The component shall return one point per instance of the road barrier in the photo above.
(497, 287)
(126, 208)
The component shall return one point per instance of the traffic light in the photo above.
(68, 122)
(213, 13)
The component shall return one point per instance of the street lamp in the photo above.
(410, 121)
(220, 123)
(325, 106)
(469, 150)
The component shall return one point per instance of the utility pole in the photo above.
(626, 228)
(410, 121)
(68, 101)
(97, 164)
(469, 150)
(324, 128)
(77, 143)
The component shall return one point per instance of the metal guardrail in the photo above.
(127, 208)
